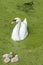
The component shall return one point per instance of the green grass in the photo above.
(30, 50)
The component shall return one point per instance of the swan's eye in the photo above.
(14, 20)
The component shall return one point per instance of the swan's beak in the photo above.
(13, 21)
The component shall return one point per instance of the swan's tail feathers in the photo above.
(25, 21)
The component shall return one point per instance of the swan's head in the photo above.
(16, 20)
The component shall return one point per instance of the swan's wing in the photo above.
(25, 21)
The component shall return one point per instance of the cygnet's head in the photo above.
(16, 20)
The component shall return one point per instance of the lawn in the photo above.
(30, 50)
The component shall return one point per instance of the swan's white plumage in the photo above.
(25, 21)
(20, 30)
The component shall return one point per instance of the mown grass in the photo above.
(30, 50)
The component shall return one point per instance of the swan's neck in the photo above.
(19, 23)
(18, 27)
(18, 30)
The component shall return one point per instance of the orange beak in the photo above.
(13, 21)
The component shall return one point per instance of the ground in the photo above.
(30, 50)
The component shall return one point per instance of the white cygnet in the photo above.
(10, 54)
(6, 60)
(14, 59)
(5, 55)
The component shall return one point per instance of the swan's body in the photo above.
(20, 30)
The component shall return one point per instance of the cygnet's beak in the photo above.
(13, 21)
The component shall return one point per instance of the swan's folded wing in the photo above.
(23, 31)
(25, 21)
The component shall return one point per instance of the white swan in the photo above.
(20, 30)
